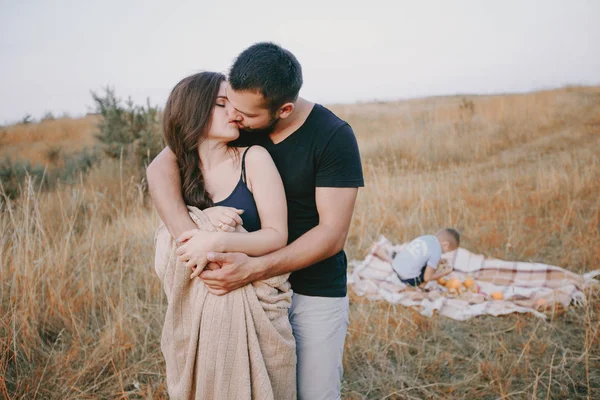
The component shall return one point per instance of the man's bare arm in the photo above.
(164, 183)
(335, 206)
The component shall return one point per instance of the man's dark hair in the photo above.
(269, 69)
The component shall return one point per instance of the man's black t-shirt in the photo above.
(321, 153)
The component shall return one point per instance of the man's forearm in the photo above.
(315, 245)
(176, 218)
(164, 184)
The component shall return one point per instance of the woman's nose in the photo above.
(232, 113)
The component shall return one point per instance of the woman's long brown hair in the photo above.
(186, 120)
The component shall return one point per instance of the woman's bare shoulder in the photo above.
(260, 165)
(258, 154)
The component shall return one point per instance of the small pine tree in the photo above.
(48, 116)
(128, 129)
(27, 119)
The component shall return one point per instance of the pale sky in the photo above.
(54, 52)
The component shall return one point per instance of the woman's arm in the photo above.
(264, 181)
(269, 195)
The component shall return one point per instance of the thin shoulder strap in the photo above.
(244, 165)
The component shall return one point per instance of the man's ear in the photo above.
(285, 110)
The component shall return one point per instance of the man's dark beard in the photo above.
(267, 130)
(249, 137)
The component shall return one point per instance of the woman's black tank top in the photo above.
(242, 198)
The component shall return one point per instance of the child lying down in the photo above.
(419, 261)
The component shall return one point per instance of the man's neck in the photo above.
(289, 125)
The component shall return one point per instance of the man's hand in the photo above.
(237, 270)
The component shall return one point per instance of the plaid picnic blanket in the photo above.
(526, 287)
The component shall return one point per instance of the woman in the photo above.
(239, 345)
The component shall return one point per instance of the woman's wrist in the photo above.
(219, 244)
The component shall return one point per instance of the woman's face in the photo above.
(221, 128)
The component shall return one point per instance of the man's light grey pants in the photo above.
(319, 325)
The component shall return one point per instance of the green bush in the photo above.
(13, 174)
(128, 130)
(27, 119)
(48, 116)
(75, 164)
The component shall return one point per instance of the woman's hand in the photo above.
(225, 219)
(194, 248)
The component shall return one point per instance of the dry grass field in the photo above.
(47, 141)
(81, 309)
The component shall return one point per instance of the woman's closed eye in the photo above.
(221, 100)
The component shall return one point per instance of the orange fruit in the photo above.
(497, 296)
(468, 282)
(453, 284)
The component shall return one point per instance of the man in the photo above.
(317, 156)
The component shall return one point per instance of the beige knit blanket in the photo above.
(235, 346)
(525, 287)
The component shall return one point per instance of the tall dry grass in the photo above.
(81, 309)
(519, 176)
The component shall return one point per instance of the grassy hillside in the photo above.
(81, 309)
(46, 141)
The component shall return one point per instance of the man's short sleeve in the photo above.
(339, 164)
